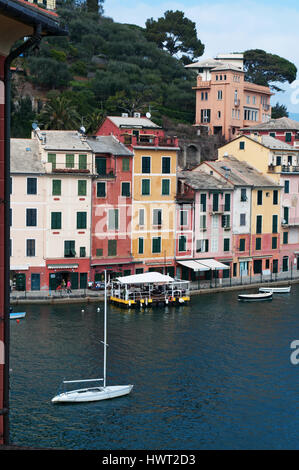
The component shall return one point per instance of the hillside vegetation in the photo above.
(101, 68)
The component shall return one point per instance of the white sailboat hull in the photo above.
(276, 290)
(92, 394)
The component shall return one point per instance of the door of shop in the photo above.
(35, 281)
(20, 281)
(74, 280)
(83, 280)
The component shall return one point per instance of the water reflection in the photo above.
(212, 375)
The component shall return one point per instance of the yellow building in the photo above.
(265, 153)
(153, 207)
(153, 189)
(275, 211)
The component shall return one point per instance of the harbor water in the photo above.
(214, 374)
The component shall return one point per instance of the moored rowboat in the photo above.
(16, 315)
(276, 290)
(255, 297)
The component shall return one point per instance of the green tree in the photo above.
(95, 6)
(121, 102)
(92, 121)
(278, 111)
(22, 116)
(176, 34)
(48, 73)
(111, 67)
(265, 69)
(59, 113)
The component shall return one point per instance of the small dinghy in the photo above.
(276, 290)
(16, 315)
(255, 297)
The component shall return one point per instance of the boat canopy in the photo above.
(203, 264)
(146, 278)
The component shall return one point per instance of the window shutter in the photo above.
(81, 220)
(56, 187)
(81, 188)
(112, 247)
(82, 162)
(165, 164)
(69, 160)
(101, 189)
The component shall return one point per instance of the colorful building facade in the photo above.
(211, 218)
(278, 161)
(154, 189)
(283, 129)
(111, 216)
(225, 102)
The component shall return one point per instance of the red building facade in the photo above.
(132, 131)
(111, 208)
(283, 129)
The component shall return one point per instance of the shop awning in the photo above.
(63, 266)
(19, 268)
(145, 278)
(203, 264)
(213, 264)
(192, 264)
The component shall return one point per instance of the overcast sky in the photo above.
(230, 26)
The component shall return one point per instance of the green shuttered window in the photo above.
(81, 220)
(55, 220)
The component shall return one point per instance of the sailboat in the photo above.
(95, 393)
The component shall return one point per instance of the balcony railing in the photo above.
(219, 209)
(149, 140)
(62, 168)
(290, 169)
(291, 222)
(203, 83)
(237, 103)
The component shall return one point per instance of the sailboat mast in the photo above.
(105, 330)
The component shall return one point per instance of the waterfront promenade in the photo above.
(196, 288)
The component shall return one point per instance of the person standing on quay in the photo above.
(68, 287)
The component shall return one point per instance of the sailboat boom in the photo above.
(83, 380)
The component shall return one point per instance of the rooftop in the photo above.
(201, 180)
(271, 143)
(108, 144)
(214, 65)
(24, 156)
(32, 14)
(140, 122)
(62, 140)
(283, 123)
(222, 66)
(241, 173)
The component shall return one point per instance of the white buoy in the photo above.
(82, 311)
(98, 309)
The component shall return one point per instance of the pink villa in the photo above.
(225, 102)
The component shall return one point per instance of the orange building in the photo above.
(225, 102)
